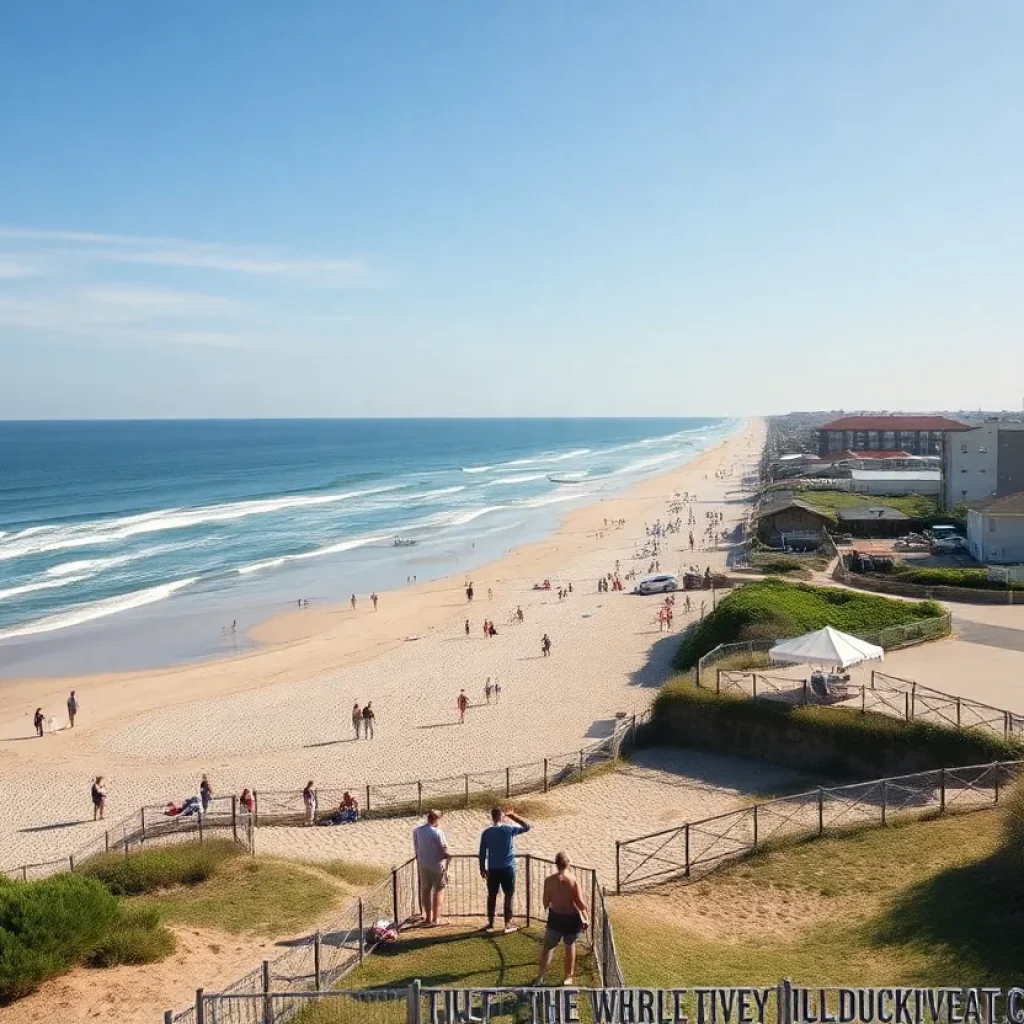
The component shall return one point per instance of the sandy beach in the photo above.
(279, 715)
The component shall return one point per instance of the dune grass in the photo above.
(356, 873)
(249, 896)
(161, 867)
(923, 903)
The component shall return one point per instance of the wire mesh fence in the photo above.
(885, 694)
(317, 963)
(226, 817)
(150, 827)
(680, 851)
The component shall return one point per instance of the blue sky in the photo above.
(585, 207)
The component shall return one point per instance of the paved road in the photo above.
(989, 636)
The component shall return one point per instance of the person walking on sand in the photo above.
(357, 718)
(205, 793)
(373, 598)
(567, 917)
(487, 690)
(369, 717)
(545, 645)
(99, 798)
(497, 692)
(432, 857)
(353, 600)
(72, 708)
(37, 721)
(309, 802)
(462, 703)
(467, 627)
(498, 862)
(490, 594)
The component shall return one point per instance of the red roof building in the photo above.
(915, 435)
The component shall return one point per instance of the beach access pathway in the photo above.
(276, 718)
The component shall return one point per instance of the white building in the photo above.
(995, 530)
(986, 462)
(896, 482)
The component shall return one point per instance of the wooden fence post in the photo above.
(71, 862)
(593, 895)
(958, 712)
(942, 790)
(545, 774)
(755, 685)
(24, 872)
(200, 1007)
(362, 930)
(872, 679)
(419, 796)
(394, 895)
(142, 819)
(268, 1003)
(234, 817)
(1006, 725)
(718, 680)
(686, 848)
(863, 699)
(106, 841)
(316, 961)
(804, 701)
(581, 764)
(412, 1003)
(998, 771)
(618, 868)
(884, 796)
(200, 816)
(529, 890)
(255, 808)
(467, 789)
(906, 704)
(508, 783)
(821, 811)
(755, 827)
(168, 1017)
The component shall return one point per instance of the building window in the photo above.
(991, 526)
(873, 440)
(963, 449)
(889, 442)
(982, 450)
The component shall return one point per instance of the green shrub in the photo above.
(834, 740)
(773, 609)
(159, 868)
(47, 927)
(136, 937)
(1013, 828)
(938, 576)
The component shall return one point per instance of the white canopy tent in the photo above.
(825, 647)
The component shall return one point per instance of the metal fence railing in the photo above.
(681, 850)
(281, 989)
(226, 818)
(892, 638)
(148, 827)
(885, 694)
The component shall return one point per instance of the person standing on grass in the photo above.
(567, 917)
(498, 862)
(309, 802)
(432, 857)
(99, 798)
(368, 719)
(72, 708)
(357, 718)
(462, 703)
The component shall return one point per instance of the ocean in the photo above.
(136, 544)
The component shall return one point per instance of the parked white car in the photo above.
(661, 584)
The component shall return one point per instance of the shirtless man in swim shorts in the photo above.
(567, 917)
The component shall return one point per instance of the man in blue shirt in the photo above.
(498, 862)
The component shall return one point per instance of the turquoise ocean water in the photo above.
(131, 544)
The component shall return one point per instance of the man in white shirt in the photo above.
(432, 856)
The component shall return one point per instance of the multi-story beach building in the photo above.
(895, 435)
(986, 462)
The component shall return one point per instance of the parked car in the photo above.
(664, 583)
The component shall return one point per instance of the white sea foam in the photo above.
(432, 494)
(109, 531)
(330, 549)
(521, 478)
(97, 609)
(31, 588)
(476, 469)
(654, 460)
(554, 499)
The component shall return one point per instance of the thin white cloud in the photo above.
(173, 252)
(14, 266)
